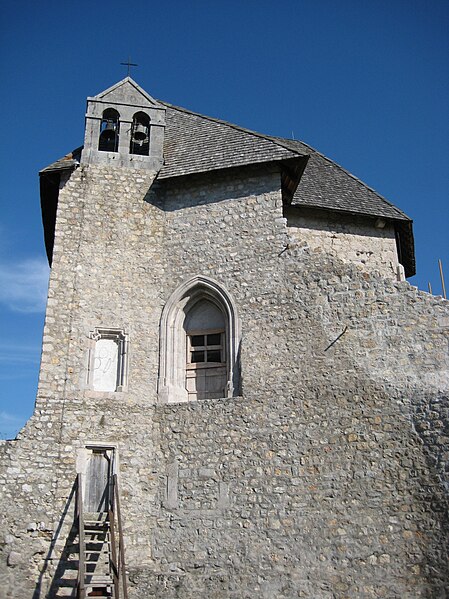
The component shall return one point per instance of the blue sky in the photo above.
(364, 82)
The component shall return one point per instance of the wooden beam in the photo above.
(82, 543)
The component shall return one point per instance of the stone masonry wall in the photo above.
(325, 479)
(322, 483)
(351, 238)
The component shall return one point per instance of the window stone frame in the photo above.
(122, 339)
(172, 360)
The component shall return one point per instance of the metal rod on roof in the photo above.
(440, 264)
(430, 287)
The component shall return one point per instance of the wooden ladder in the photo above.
(101, 569)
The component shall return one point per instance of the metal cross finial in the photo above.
(129, 64)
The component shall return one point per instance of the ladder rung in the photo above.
(101, 542)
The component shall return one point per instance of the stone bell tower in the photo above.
(124, 127)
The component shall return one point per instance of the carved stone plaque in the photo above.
(105, 365)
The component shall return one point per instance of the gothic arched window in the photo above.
(140, 135)
(199, 350)
(206, 356)
(109, 131)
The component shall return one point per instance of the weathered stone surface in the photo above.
(351, 238)
(14, 559)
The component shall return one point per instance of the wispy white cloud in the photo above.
(18, 361)
(23, 285)
(11, 352)
(8, 418)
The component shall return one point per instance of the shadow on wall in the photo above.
(163, 193)
(67, 566)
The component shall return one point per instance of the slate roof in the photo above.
(327, 185)
(195, 144)
(69, 161)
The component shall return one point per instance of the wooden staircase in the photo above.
(98, 574)
(101, 569)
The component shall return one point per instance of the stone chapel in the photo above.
(240, 394)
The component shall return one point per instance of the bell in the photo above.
(110, 126)
(140, 132)
(108, 135)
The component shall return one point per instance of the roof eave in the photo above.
(399, 216)
(291, 173)
(49, 183)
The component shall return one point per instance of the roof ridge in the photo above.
(341, 168)
(271, 138)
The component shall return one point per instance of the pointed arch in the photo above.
(173, 337)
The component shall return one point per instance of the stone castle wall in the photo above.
(326, 478)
